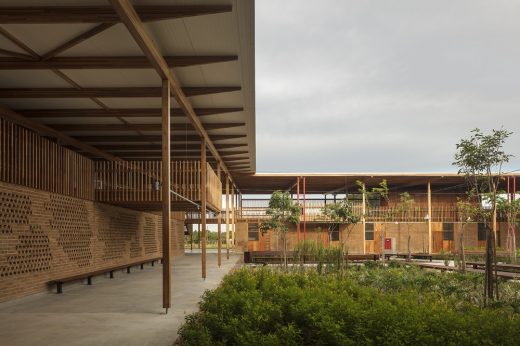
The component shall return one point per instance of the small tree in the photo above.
(282, 211)
(511, 209)
(467, 211)
(380, 192)
(480, 158)
(339, 213)
(404, 208)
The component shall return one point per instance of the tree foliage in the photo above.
(338, 213)
(281, 212)
(481, 158)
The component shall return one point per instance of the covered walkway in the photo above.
(126, 310)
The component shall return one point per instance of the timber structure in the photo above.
(124, 128)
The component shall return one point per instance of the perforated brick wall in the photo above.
(44, 236)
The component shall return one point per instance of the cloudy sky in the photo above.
(358, 86)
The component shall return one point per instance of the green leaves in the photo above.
(281, 211)
(481, 154)
(340, 212)
(367, 306)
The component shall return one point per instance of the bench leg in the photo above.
(59, 289)
(161, 261)
(89, 280)
(111, 274)
(142, 266)
(128, 270)
(153, 262)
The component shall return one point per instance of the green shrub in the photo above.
(366, 306)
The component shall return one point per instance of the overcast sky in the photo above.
(358, 86)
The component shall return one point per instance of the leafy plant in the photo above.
(367, 306)
(511, 209)
(404, 207)
(281, 211)
(340, 213)
(380, 192)
(480, 158)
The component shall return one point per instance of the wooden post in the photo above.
(166, 205)
(298, 201)
(304, 209)
(219, 226)
(203, 202)
(429, 218)
(227, 217)
(233, 217)
(363, 221)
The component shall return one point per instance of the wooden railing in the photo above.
(29, 159)
(255, 209)
(141, 181)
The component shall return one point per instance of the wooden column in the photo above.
(219, 227)
(429, 218)
(203, 202)
(363, 220)
(227, 217)
(166, 206)
(298, 201)
(232, 217)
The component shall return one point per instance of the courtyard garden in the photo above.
(366, 304)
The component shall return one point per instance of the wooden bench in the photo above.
(269, 257)
(413, 256)
(60, 281)
(363, 257)
(501, 274)
(505, 267)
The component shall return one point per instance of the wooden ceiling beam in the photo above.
(139, 127)
(101, 14)
(112, 62)
(17, 55)
(133, 22)
(139, 139)
(175, 153)
(105, 92)
(77, 40)
(174, 148)
(119, 112)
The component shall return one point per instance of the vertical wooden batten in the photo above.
(219, 225)
(233, 218)
(227, 217)
(166, 205)
(203, 169)
(430, 216)
(363, 220)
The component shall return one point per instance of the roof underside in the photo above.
(318, 183)
(104, 92)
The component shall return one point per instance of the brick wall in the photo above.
(353, 235)
(45, 236)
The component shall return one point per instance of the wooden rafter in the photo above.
(112, 62)
(18, 43)
(119, 112)
(138, 127)
(191, 153)
(101, 14)
(76, 40)
(132, 21)
(175, 138)
(180, 147)
(105, 92)
(17, 55)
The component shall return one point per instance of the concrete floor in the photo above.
(126, 310)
